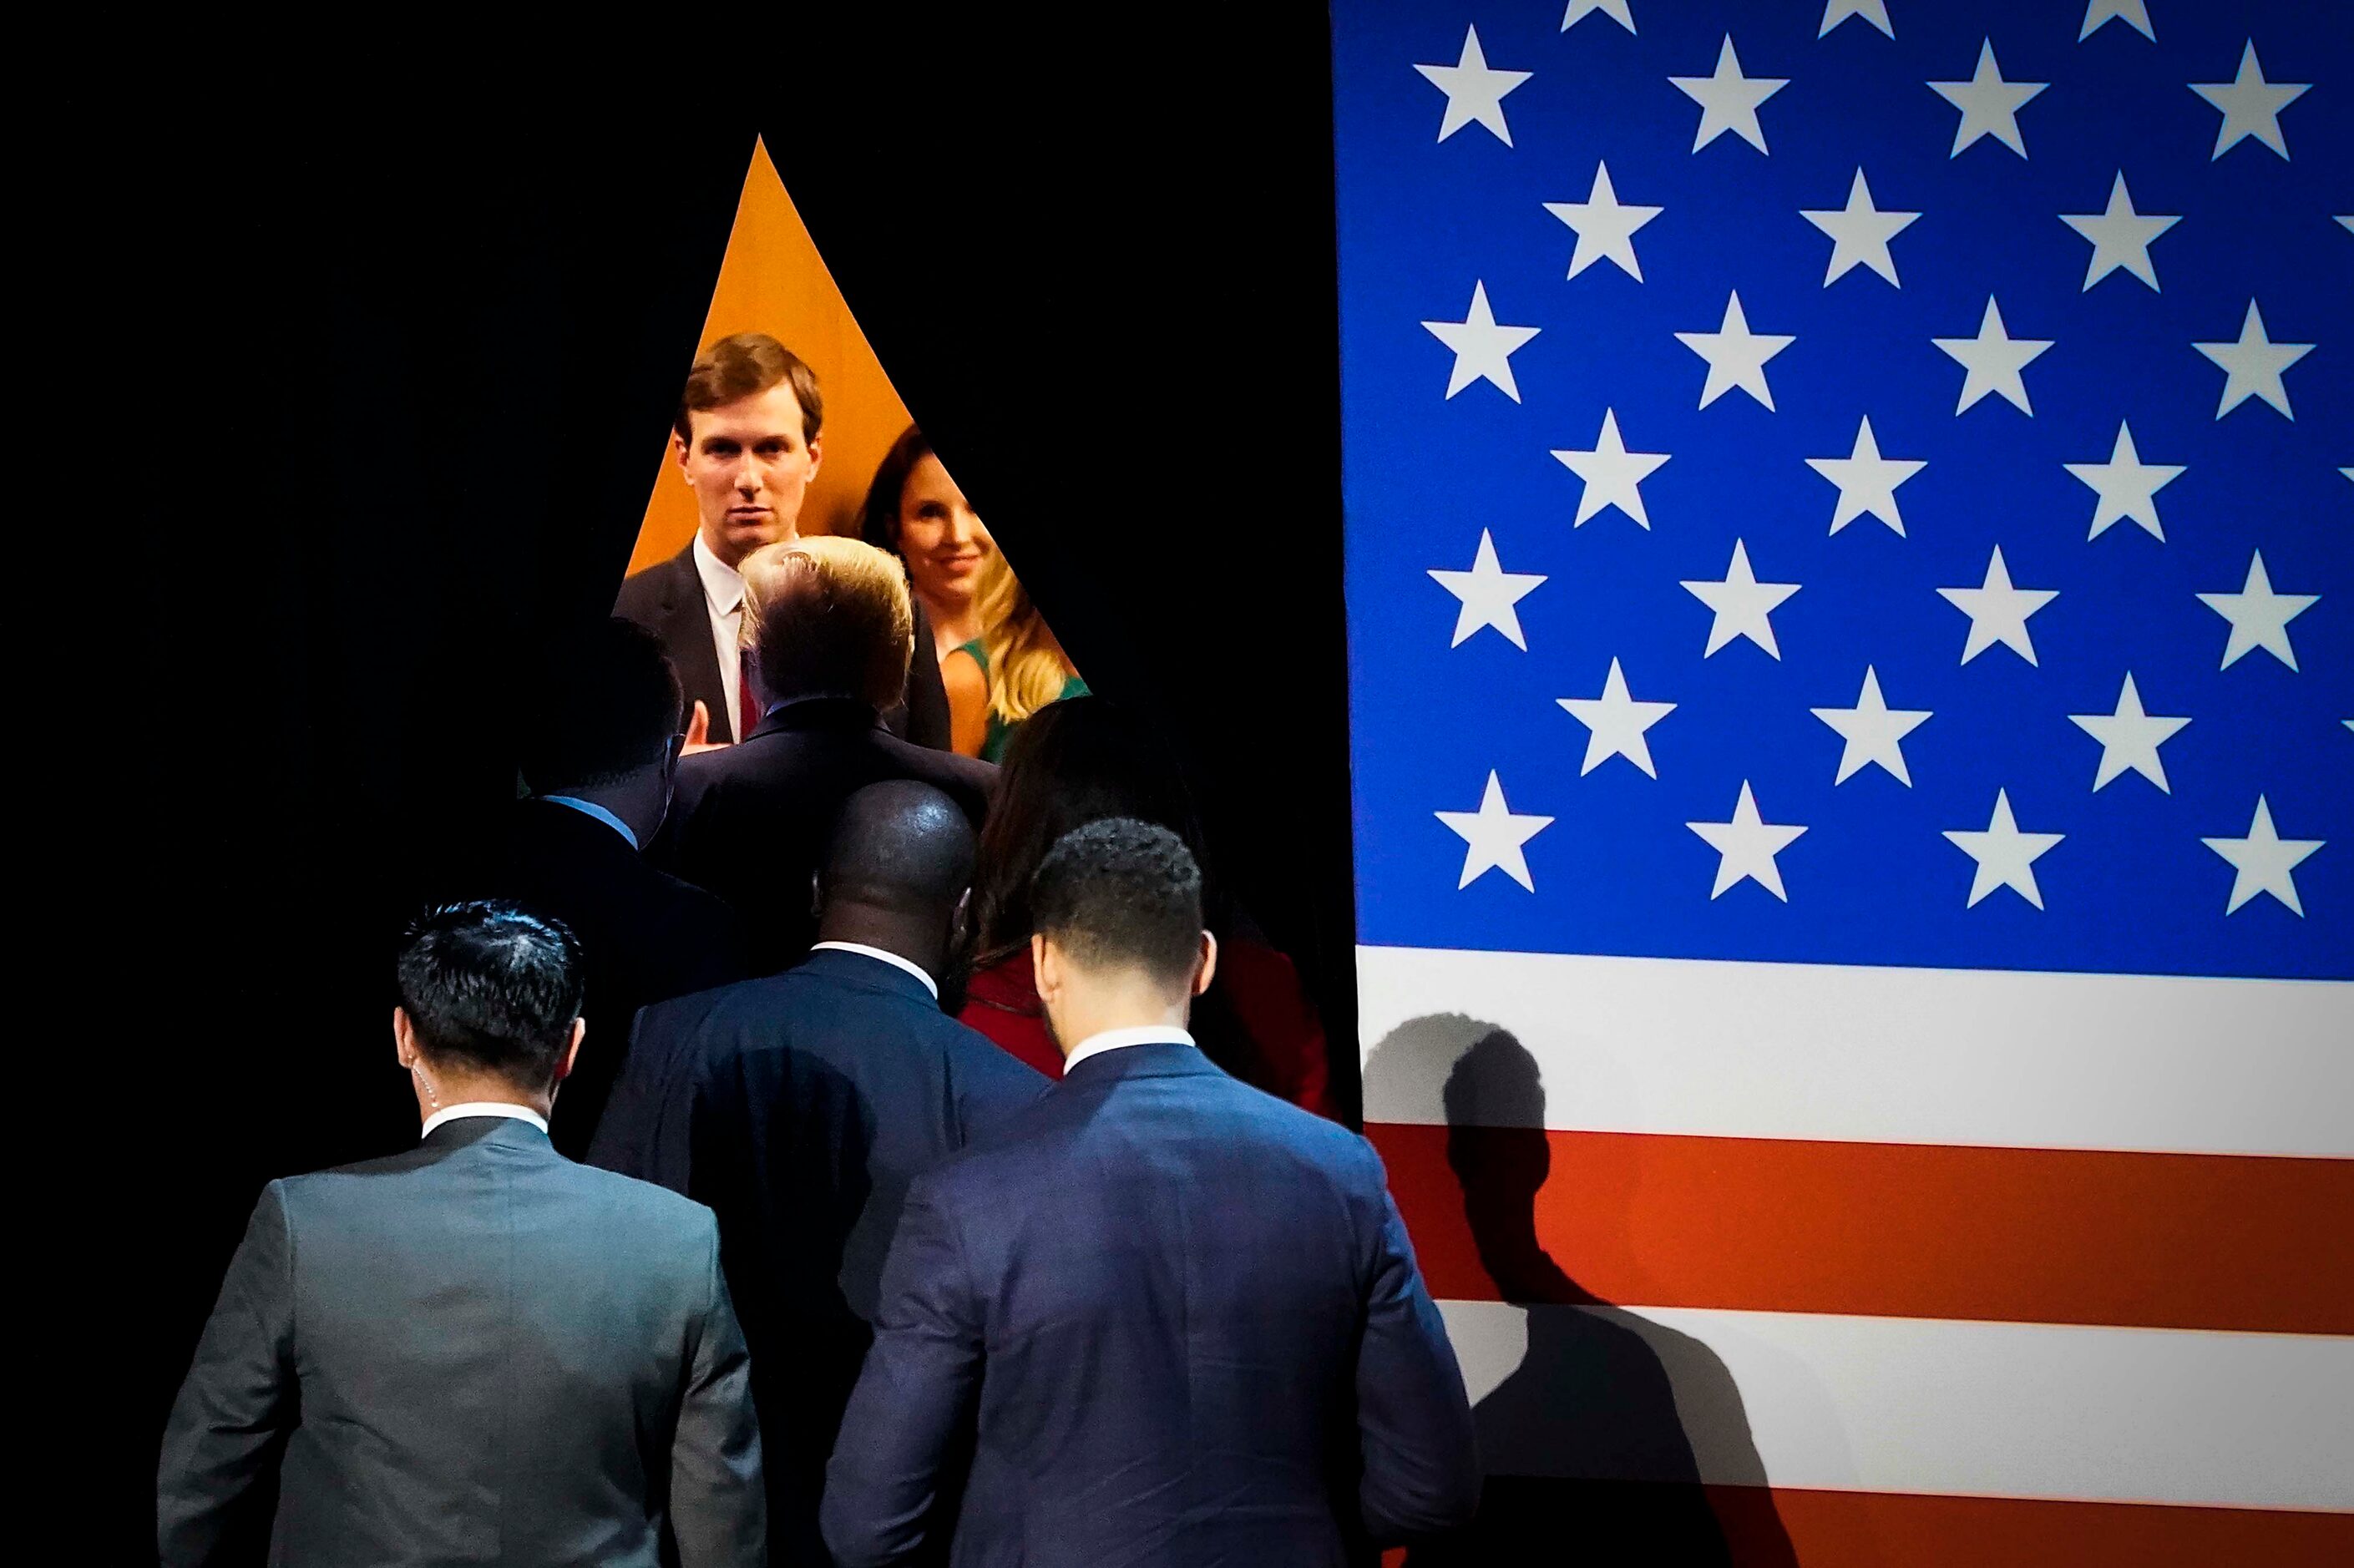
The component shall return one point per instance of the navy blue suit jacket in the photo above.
(800, 1106)
(1159, 1317)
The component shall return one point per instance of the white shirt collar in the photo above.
(482, 1108)
(592, 808)
(1114, 1039)
(723, 584)
(894, 959)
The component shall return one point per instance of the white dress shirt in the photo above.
(880, 955)
(1113, 1039)
(723, 598)
(482, 1108)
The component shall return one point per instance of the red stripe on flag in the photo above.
(2176, 1241)
(1904, 1529)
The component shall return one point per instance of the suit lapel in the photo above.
(687, 630)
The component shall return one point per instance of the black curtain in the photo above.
(369, 384)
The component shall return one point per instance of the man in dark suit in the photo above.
(799, 1108)
(476, 1352)
(831, 629)
(747, 445)
(1160, 1316)
(598, 757)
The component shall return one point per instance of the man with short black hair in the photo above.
(801, 1106)
(599, 757)
(747, 442)
(476, 1350)
(1160, 1316)
(832, 628)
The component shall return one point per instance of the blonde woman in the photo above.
(1026, 669)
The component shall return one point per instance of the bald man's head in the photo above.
(899, 848)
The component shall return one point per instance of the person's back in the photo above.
(475, 1351)
(598, 755)
(832, 631)
(801, 1106)
(1159, 1317)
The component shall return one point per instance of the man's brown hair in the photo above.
(744, 366)
(829, 617)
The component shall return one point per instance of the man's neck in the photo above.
(913, 940)
(447, 1094)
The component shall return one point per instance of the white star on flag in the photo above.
(2254, 365)
(2134, 14)
(1990, 105)
(2262, 861)
(1614, 9)
(1745, 847)
(1742, 603)
(1873, 732)
(1728, 101)
(1605, 226)
(1998, 611)
(1736, 356)
(2129, 738)
(2121, 237)
(2006, 856)
(2251, 105)
(1993, 360)
(1483, 350)
(1617, 722)
(1867, 481)
(1873, 11)
(1474, 92)
(1490, 595)
(2127, 486)
(1493, 837)
(1859, 233)
(1613, 476)
(2259, 617)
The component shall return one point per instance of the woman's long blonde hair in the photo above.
(1026, 666)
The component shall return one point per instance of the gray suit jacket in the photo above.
(474, 1352)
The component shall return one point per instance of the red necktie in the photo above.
(748, 700)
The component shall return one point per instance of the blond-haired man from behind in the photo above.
(828, 629)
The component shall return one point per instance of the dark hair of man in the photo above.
(899, 846)
(607, 705)
(490, 986)
(1122, 894)
(879, 518)
(1069, 764)
(745, 365)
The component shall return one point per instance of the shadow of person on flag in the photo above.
(1598, 1442)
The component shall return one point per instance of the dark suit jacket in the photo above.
(751, 822)
(799, 1108)
(667, 600)
(473, 1351)
(1172, 1320)
(645, 935)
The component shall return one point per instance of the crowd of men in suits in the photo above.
(724, 1244)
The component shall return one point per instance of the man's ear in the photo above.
(571, 1052)
(680, 450)
(1207, 968)
(1046, 968)
(817, 453)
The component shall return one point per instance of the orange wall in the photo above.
(773, 280)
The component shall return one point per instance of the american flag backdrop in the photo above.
(1851, 581)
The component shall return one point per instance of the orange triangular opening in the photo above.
(774, 281)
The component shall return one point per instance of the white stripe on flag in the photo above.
(1897, 1055)
(1922, 1404)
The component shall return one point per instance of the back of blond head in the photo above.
(829, 617)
